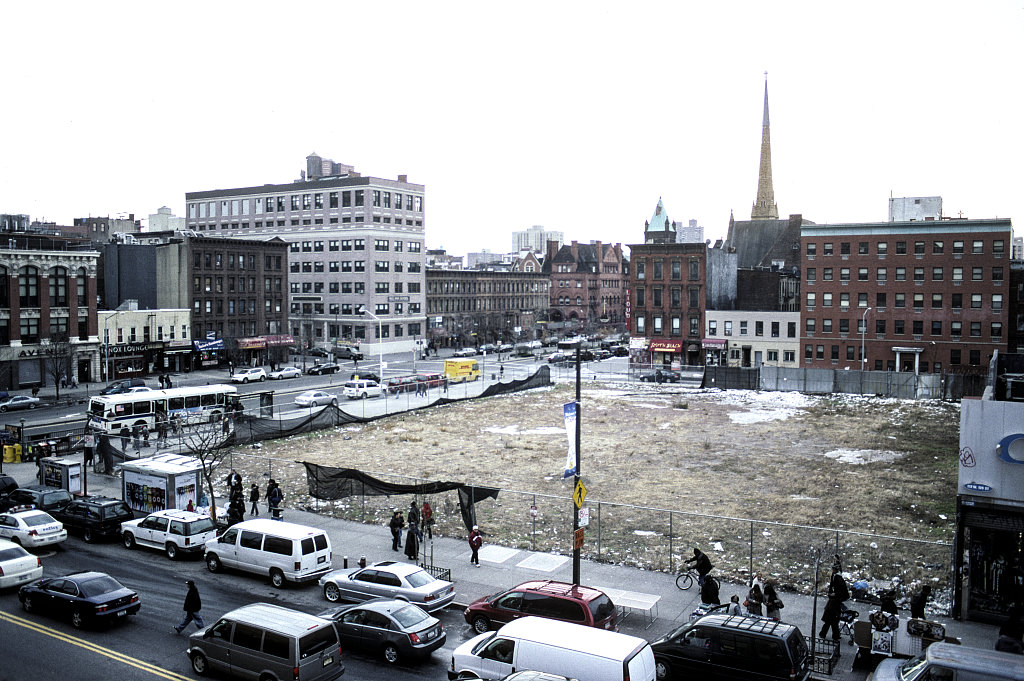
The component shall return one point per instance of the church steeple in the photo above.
(764, 206)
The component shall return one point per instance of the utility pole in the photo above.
(576, 480)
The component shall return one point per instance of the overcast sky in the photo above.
(572, 115)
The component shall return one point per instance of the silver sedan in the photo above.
(390, 579)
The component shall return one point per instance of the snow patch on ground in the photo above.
(862, 456)
(514, 430)
(645, 533)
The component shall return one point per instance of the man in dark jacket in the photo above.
(703, 564)
(833, 609)
(192, 607)
(396, 525)
(917, 602)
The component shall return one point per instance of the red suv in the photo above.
(554, 600)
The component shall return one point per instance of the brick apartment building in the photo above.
(932, 295)
(588, 285)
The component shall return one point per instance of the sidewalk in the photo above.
(503, 567)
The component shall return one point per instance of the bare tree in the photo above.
(58, 358)
(203, 441)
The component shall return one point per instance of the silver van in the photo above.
(263, 641)
(950, 662)
(286, 552)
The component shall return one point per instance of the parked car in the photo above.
(317, 352)
(660, 376)
(619, 350)
(251, 374)
(7, 485)
(139, 389)
(465, 352)
(19, 402)
(402, 384)
(391, 579)
(31, 528)
(173, 531)
(95, 517)
(346, 352)
(536, 344)
(506, 347)
(365, 376)
(315, 398)
(36, 496)
(84, 597)
(17, 566)
(556, 357)
(488, 347)
(284, 372)
(732, 647)
(362, 389)
(393, 628)
(323, 369)
(602, 354)
(121, 386)
(550, 340)
(543, 598)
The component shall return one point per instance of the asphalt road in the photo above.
(145, 646)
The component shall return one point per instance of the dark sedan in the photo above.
(83, 597)
(392, 628)
(321, 369)
(660, 376)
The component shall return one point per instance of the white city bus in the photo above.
(193, 404)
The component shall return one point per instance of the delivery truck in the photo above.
(461, 370)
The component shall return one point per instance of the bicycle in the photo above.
(686, 579)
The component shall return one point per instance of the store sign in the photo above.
(665, 346)
(203, 346)
(279, 340)
(251, 343)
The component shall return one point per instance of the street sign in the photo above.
(584, 517)
(577, 539)
(579, 494)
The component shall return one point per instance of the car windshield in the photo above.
(12, 553)
(418, 578)
(913, 668)
(99, 586)
(36, 519)
(410, 616)
(199, 526)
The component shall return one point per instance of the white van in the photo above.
(555, 647)
(285, 551)
(952, 663)
(361, 388)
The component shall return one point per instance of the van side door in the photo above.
(497, 658)
(246, 651)
(217, 645)
(249, 550)
(226, 548)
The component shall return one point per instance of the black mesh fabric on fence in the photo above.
(327, 482)
(538, 379)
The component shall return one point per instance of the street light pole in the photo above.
(863, 331)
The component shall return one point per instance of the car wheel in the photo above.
(213, 562)
(364, 396)
(661, 670)
(128, 539)
(331, 592)
(199, 664)
(334, 402)
(262, 378)
(87, 536)
(481, 624)
(77, 619)
(171, 550)
(32, 406)
(390, 653)
(27, 605)
(277, 578)
(3, 408)
(245, 380)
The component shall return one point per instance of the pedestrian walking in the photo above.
(124, 435)
(74, 383)
(755, 598)
(145, 435)
(427, 516)
(412, 543)
(476, 540)
(413, 516)
(918, 602)
(226, 425)
(830, 617)
(137, 437)
(445, 385)
(270, 486)
(772, 603)
(396, 525)
(502, 371)
(276, 497)
(254, 497)
(193, 604)
(233, 480)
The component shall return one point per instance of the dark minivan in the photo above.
(543, 598)
(727, 647)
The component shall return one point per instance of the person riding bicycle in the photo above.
(702, 564)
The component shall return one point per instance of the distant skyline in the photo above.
(576, 116)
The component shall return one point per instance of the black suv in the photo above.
(94, 517)
(44, 498)
(122, 386)
(732, 647)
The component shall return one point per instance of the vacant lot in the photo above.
(864, 465)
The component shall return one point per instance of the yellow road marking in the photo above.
(92, 647)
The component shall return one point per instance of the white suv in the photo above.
(172, 530)
(362, 389)
(246, 375)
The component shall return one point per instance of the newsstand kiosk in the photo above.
(160, 482)
(61, 473)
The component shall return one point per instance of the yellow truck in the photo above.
(461, 370)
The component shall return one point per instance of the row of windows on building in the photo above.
(604, 283)
(59, 280)
(380, 309)
(657, 325)
(305, 222)
(899, 327)
(358, 331)
(775, 327)
(335, 287)
(210, 284)
(30, 329)
(355, 245)
(473, 287)
(919, 247)
(317, 266)
(235, 329)
(675, 269)
(900, 274)
(304, 201)
(675, 296)
(129, 334)
(217, 261)
(817, 352)
(899, 300)
(443, 305)
(232, 306)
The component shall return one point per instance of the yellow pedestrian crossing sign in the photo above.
(579, 494)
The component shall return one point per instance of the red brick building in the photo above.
(932, 296)
(588, 284)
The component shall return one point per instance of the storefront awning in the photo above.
(251, 343)
(659, 345)
(204, 345)
(279, 341)
(714, 342)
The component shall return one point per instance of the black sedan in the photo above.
(322, 369)
(393, 628)
(83, 597)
